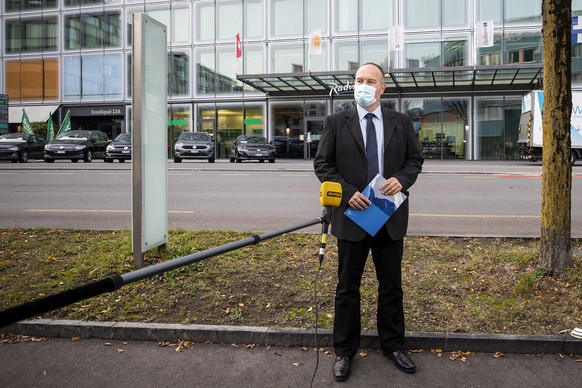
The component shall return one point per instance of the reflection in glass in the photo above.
(287, 59)
(375, 51)
(491, 10)
(179, 74)
(455, 53)
(523, 49)
(423, 54)
(179, 120)
(496, 121)
(523, 11)
(440, 126)
(491, 56)
(32, 35)
(346, 56)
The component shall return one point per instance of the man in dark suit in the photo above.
(353, 148)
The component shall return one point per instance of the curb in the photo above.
(289, 337)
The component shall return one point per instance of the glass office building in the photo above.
(75, 55)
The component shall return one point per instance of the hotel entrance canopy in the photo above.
(522, 77)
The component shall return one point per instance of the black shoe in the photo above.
(342, 368)
(402, 361)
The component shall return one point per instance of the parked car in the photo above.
(252, 148)
(76, 145)
(291, 147)
(20, 147)
(281, 144)
(119, 148)
(194, 145)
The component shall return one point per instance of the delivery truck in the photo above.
(530, 137)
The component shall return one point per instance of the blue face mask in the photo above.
(365, 95)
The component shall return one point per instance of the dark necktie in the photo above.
(371, 147)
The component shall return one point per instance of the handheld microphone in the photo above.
(330, 195)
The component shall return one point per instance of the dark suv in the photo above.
(193, 145)
(77, 144)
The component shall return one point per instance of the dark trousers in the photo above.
(387, 257)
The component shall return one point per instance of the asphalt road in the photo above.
(457, 198)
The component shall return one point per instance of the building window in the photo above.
(93, 77)
(229, 20)
(375, 51)
(346, 55)
(76, 3)
(32, 79)
(422, 13)
(254, 20)
(287, 58)
(523, 49)
(523, 12)
(491, 56)
(455, 53)
(32, 35)
(426, 54)
(93, 31)
(29, 5)
(454, 13)
(287, 18)
(179, 74)
(205, 22)
(177, 22)
(366, 16)
(376, 15)
(491, 10)
(316, 16)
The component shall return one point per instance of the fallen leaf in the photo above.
(120, 350)
(498, 355)
(107, 343)
(363, 354)
(75, 339)
(297, 363)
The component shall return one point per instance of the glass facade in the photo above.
(77, 53)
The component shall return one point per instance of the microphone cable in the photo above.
(324, 228)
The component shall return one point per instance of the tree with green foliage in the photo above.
(555, 242)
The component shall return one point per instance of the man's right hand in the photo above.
(359, 201)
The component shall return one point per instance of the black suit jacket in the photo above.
(341, 157)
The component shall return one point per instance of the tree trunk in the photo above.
(555, 244)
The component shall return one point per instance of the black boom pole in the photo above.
(114, 282)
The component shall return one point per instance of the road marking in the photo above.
(470, 215)
(57, 173)
(512, 176)
(97, 211)
(235, 174)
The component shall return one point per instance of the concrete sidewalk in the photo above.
(87, 354)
